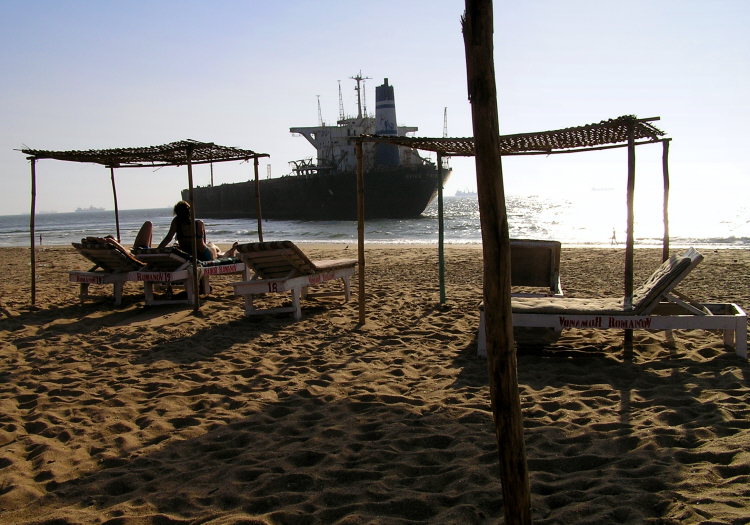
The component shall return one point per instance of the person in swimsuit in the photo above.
(181, 228)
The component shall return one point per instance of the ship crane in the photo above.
(358, 88)
(341, 104)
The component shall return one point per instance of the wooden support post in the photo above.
(501, 356)
(32, 217)
(257, 201)
(441, 229)
(665, 208)
(191, 196)
(361, 230)
(630, 236)
(114, 195)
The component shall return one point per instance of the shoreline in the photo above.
(156, 414)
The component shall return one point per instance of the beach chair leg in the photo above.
(296, 293)
(670, 338)
(118, 286)
(347, 289)
(84, 292)
(205, 286)
(740, 338)
(148, 292)
(249, 309)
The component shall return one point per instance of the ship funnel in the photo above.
(385, 124)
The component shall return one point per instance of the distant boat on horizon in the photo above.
(465, 193)
(90, 208)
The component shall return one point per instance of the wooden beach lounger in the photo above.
(112, 265)
(656, 306)
(534, 272)
(280, 266)
(172, 266)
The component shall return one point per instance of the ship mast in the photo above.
(359, 78)
(341, 104)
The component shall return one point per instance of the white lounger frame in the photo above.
(296, 285)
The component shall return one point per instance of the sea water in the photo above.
(597, 221)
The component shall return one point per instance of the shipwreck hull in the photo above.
(398, 193)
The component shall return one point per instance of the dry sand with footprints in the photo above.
(134, 415)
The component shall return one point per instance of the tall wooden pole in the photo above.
(665, 208)
(361, 230)
(257, 201)
(114, 195)
(630, 240)
(32, 217)
(191, 196)
(501, 355)
(441, 229)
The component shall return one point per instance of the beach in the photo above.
(159, 415)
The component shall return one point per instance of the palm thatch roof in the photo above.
(172, 154)
(602, 135)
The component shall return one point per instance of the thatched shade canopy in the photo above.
(180, 153)
(172, 154)
(626, 131)
(605, 134)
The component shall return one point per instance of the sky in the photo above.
(93, 75)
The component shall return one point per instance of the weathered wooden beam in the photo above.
(32, 217)
(114, 197)
(501, 356)
(441, 229)
(191, 197)
(257, 201)
(665, 207)
(361, 230)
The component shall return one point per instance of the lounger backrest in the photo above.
(108, 254)
(167, 259)
(275, 259)
(535, 263)
(664, 279)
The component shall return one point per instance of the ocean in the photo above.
(595, 222)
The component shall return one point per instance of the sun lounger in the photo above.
(656, 306)
(170, 267)
(280, 266)
(534, 272)
(535, 263)
(112, 265)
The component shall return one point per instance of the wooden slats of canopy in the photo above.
(626, 131)
(605, 134)
(173, 154)
(180, 153)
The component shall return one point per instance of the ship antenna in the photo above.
(320, 114)
(364, 97)
(445, 122)
(359, 78)
(341, 104)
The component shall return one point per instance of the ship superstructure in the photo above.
(335, 152)
(399, 183)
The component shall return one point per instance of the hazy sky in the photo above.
(89, 75)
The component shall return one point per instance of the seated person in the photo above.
(181, 228)
(143, 238)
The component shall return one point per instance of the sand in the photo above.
(135, 415)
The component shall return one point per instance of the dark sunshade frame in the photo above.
(627, 131)
(180, 153)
